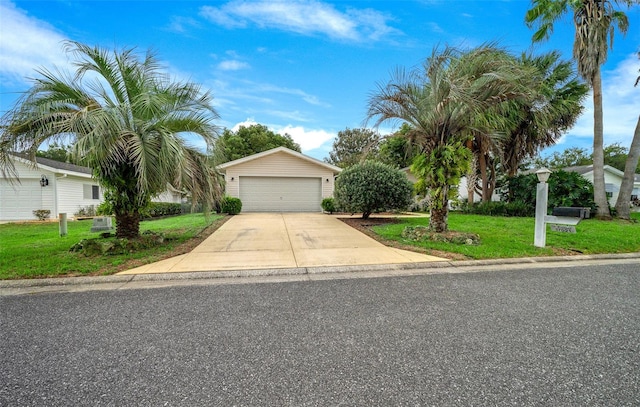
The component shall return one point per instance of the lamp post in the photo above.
(542, 197)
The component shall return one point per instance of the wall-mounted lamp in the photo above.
(327, 179)
(44, 181)
(232, 178)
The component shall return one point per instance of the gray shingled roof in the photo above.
(63, 166)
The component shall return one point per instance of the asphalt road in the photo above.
(568, 336)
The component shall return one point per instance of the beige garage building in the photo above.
(279, 180)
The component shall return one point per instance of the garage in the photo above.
(280, 194)
(279, 180)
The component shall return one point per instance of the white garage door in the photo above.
(280, 194)
(20, 200)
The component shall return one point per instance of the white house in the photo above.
(53, 185)
(56, 186)
(279, 180)
(612, 180)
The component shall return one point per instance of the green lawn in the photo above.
(29, 250)
(503, 237)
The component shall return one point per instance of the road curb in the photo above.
(216, 274)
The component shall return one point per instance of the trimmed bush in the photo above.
(159, 209)
(372, 187)
(518, 209)
(328, 205)
(231, 205)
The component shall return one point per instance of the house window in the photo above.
(91, 191)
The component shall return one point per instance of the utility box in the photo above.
(102, 224)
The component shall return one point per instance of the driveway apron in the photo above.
(283, 240)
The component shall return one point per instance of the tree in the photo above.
(626, 187)
(353, 146)
(372, 186)
(443, 101)
(396, 150)
(249, 140)
(57, 152)
(126, 120)
(615, 155)
(541, 121)
(595, 22)
(571, 157)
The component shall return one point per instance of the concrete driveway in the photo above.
(283, 240)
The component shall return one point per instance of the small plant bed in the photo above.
(35, 250)
(424, 234)
(502, 237)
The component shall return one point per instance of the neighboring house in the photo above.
(53, 185)
(612, 180)
(279, 180)
(56, 186)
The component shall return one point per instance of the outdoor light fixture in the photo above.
(232, 178)
(327, 179)
(543, 174)
(44, 181)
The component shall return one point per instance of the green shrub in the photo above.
(328, 205)
(518, 208)
(231, 205)
(565, 189)
(42, 214)
(159, 209)
(372, 187)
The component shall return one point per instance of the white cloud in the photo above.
(182, 24)
(307, 138)
(620, 101)
(308, 17)
(27, 43)
(233, 65)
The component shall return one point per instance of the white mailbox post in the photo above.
(542, 197)
(559, 223)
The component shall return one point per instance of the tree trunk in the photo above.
(438, 222)
(472, 177)
(599, 192)
(482, 161)
(127, 225)
(439, 219)
(626, 188)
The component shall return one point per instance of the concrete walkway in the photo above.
(283, 240)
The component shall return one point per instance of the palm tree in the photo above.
(127, 121)
(595, 22)
(540, 122)
(626, 188)
(441, 101)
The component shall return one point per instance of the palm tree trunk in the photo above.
(482, 163)
(626, 188)
(599, 193)
(127, 225)
(438, 221)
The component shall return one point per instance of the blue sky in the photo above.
(302, 67)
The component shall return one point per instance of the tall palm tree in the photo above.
(540, 122)
(595, 22)
(440, 101)
(626, 187)
(127, 121)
